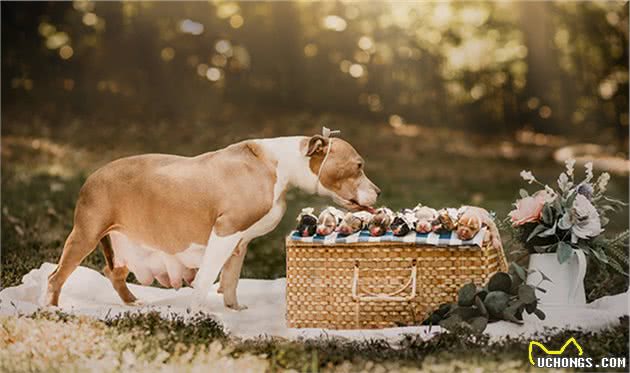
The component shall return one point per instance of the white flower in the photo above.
(602, 181)
(589, 171)
(582, 219)
(528, 176)
(550, 195)
(563, 182)
(569, 163)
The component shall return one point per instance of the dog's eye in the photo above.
(360, 165)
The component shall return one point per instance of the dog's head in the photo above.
(380, 222)
(342, 175)
(468, 225)
(354, 222)
(328, 221)
(307, 224)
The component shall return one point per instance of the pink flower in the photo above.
(529, 209)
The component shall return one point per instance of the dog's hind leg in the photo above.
(91, 222)
(78, 245)
(230, 275)
(117, 275)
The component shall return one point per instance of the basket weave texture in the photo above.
(373, 285)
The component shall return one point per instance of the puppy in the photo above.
(307, 222)
(403, 223)
(472, 219)
(354, 222)
(380, 222)
(329, 220)
(425, 216)
(446, 221)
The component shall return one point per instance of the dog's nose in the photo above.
(378, 191)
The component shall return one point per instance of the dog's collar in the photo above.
(326, 132)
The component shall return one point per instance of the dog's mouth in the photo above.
(354, 205)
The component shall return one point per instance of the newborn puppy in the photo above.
(446, 221)
(307, 222)
(424, 218)
(472, 219)
(403, 223)
(469, 222)
(328, 221)
(380, 222)
(354, 222)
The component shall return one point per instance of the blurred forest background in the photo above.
(447, 101)
(481, 66)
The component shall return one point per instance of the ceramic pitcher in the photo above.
(567, 286)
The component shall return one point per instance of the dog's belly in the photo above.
(148, 263)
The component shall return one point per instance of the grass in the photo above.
(59, 342)
(45, 162)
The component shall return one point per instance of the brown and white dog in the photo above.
(176, 218)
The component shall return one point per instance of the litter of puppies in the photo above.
(465, 221)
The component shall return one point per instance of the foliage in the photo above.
(114, 347)
(504, 297)
(171, 331)
(482, 66)
(572, 217)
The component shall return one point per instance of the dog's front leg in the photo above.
(230, 276)
(217, 253)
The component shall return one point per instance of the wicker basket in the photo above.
(371, 285)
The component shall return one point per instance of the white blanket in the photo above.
(87, 292)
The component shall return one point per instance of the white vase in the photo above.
(567, 279)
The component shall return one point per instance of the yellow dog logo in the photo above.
(553, 352)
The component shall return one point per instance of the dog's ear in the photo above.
(316, 144)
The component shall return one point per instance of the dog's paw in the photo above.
(136, 303)
(236, 307)
(199, 306)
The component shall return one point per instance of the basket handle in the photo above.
(393, 296)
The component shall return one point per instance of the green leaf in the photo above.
(481, 293)
(466, 313)
(520, 271)
(466, 295)
(541, 249)
(500, 281)
(541, 315)
(565, 251)
(526, 294)
(512, 314)
(539, 228)
(549, 232)
(557, 205)
(530, 308)
(547, 214)
(481, 307)
(496, 302)
(478, 324)
(451, 322)
(444, 309)
(599, 254)
(617, 267)
(523, 193)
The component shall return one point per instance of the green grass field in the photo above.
(45, 161)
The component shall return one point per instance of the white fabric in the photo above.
(87, 292)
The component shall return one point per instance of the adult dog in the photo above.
(176, 219)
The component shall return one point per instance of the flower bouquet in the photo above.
(571, 217)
